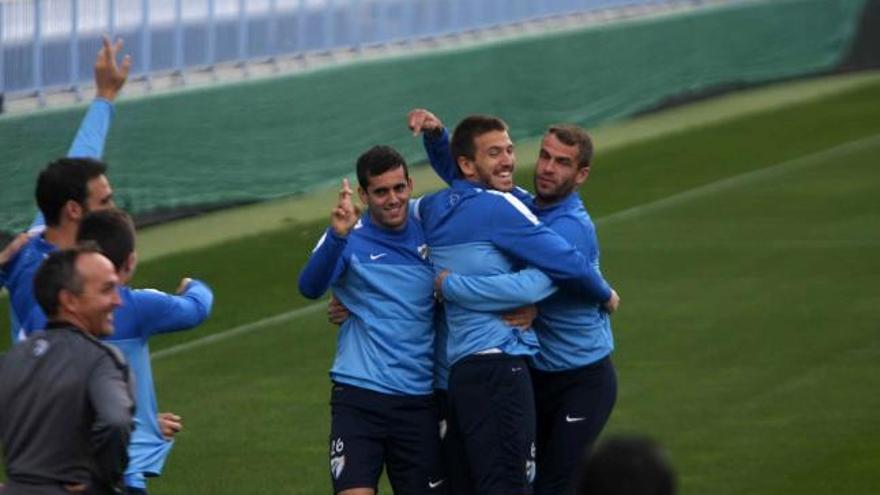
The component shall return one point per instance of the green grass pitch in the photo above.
(748, 340)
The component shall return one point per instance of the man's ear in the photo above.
(581, 176)
(129, 266)
(466, 166)
(67, 300)
(73, 211)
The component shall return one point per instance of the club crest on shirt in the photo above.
(423, 251)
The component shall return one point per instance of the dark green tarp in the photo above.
(283, 136)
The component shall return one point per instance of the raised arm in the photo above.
(435, 139)
(92, 133)
(496, 293)
(109, 80)
(159, 312)
(326, 263)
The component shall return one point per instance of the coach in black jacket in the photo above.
(65, 398)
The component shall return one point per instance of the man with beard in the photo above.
(477, 228)
(67, 189)
(574, 380)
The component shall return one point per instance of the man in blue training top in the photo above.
(517, 311)
(66, 190)
(474, 228)
(574, 379)
(143, 313)
(381, 401)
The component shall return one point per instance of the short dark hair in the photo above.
(627, 465)
(112, 230)
(468, 130)
(63, 180)
(58, 272)
(572, 135)
(376, 161)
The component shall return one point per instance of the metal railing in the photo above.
(49, 45)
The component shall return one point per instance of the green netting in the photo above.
(284, 136)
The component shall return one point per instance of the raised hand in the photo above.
(420, 120)
(345, 215)
(109, 77)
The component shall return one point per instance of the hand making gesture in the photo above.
(345, 215)
(109, 77)
(420, 120)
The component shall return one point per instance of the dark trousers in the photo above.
(572, 408)
(492, 406)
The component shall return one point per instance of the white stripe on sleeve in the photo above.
(522, 208)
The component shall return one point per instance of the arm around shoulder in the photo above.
(202, 298)
(159, 312)
(519, 233)
(498, 292)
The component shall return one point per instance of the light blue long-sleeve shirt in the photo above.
(144, 313)
(498, 292)
(574, 331)
(385, 280)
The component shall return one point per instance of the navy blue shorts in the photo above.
(369, 429)
(573, 407)
(493, 408)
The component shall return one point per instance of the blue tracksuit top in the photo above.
(574, 330)
(145, 313)
(478, 232)
(385, 280)
(18, 274)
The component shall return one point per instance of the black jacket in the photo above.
(66, 408)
